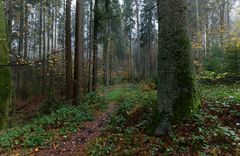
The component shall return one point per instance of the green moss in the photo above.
(188, 101)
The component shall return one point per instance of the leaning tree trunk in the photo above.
(5, 77)
(177, 95)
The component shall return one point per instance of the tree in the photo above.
(5, 76)
(90, 47)
(106, 44)
(95, 48)
(177, 93)
(147, 36)
(138, 42)
(79, 51)
(128, 28)
(68, 51)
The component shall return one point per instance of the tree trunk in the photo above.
(106, 45)
(40, 31)
(95, 48)
(90, 47)
(5, 77)
(26, 32)
(69, 85)
(222, 21)
(177, 94)
(138, 40)
(44, 50)
(24, 90)
(79, 51)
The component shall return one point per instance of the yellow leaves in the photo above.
(148, 86)
(238, 44)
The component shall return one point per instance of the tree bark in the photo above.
(138, 40)
(90, 47)
(5, 76)
(68, 52)
(95, 48)
(177, 94)
(106, 45)
(79, 51)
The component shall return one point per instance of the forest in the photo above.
(119, 77)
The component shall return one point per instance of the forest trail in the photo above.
(76, 143)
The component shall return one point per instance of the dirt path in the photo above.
(76, 143)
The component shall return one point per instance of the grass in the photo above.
(118, 94)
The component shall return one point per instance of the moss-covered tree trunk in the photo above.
(177, 95)
(5, 77)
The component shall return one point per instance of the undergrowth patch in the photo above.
(214, 130)
(44, 129)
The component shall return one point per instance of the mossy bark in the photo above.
(5, 76)
(177, 93)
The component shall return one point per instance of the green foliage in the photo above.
(223, 94)
(214, 61)
(232, 57)
(119, 94)
(95, 101)
(136, 110)
(210, 77)
(98, 150)
(44, 129)
(221, 60)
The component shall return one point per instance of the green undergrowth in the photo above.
(118, 94)
(45, 129)
(214, 130)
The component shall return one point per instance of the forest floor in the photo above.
(75, 144)
(123, 126)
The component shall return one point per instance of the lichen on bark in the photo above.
(5, 76)
(177, 92)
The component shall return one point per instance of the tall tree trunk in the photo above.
(24, 90)
(26, 31)
(138, 59)
(228, 18)
(207, 29)
(40, 31)
(9, 22)
(177, 94)
(222, 21)
(79, 51)
(68, 51)
(5, 76)
(106, 44)
(44, 50)
(95, 48)
(90, 47)
(198, 29)
(131, 66)
(21, 29)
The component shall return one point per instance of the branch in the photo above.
(12, 65)
(151, 8)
